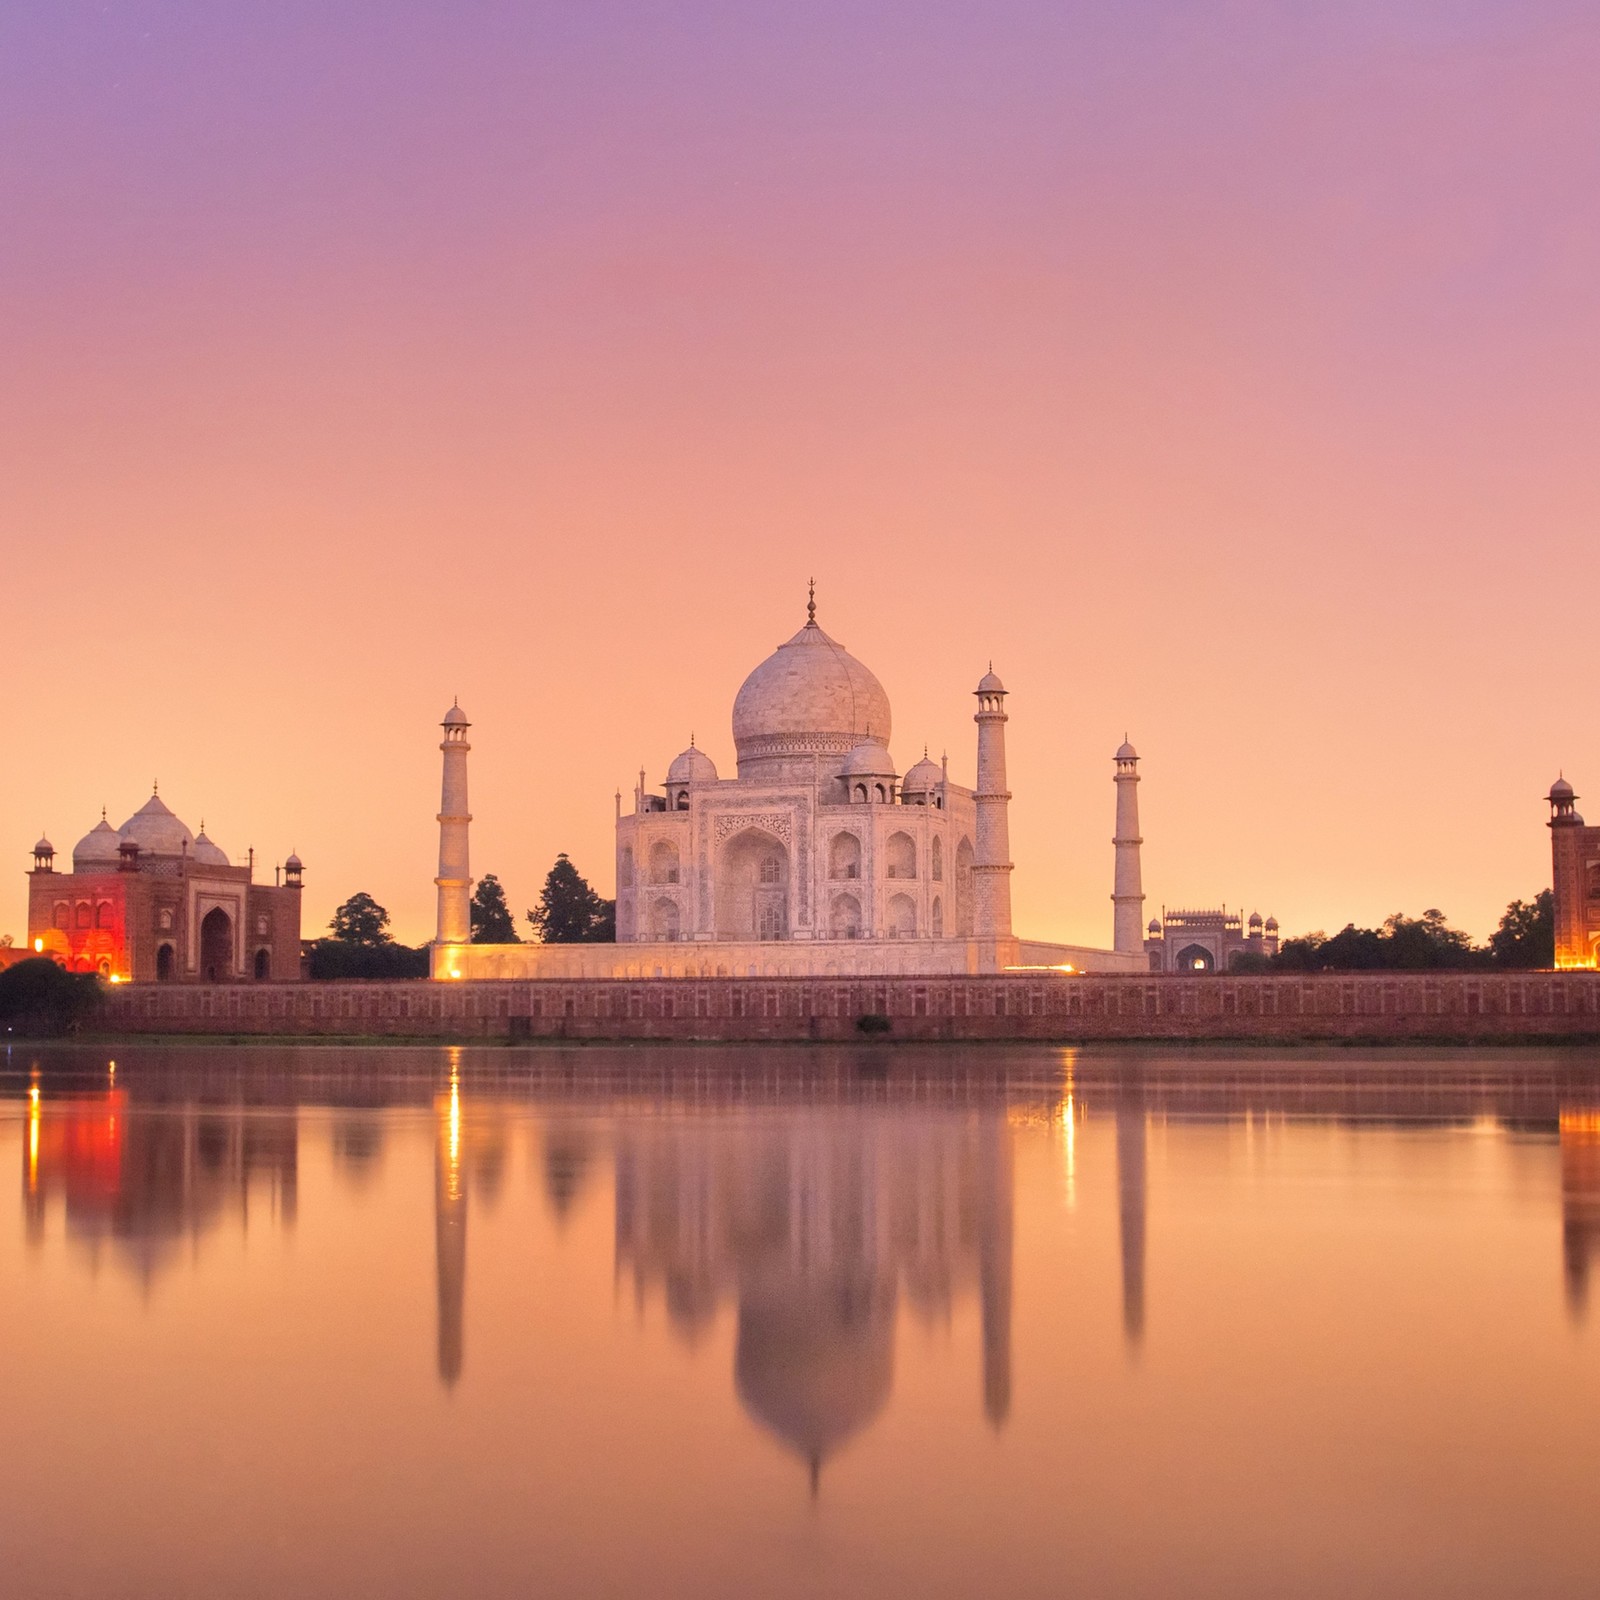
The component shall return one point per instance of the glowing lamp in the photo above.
(38, 946)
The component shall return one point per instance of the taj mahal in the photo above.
(818, 858)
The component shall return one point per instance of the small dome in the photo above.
(1272, 924)
(207, 852)
(294, 863)
(869, 759)
(99, 844)
(923, 778)
(156, 830)
(44, 847)
(1255, 919)
(989, 683)
(1562, 790)
(455, 717)
(1126, 752)
(1155, 925)
(693, 766)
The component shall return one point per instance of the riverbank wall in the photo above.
(1365, 1007)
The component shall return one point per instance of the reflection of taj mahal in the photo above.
(817, 1227)
(819, 857)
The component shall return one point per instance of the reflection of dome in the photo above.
(693, 766)
(815, 1361)
(868, 760)
(923, 778)
(97, 847)
(208, 853)
(809, 695)
(154, 829)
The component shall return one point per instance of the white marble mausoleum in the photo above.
(818, 857)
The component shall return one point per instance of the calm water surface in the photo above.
(786, 1322)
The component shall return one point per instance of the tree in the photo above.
(492, 922)
(361, 921)
(1403, 944)
(39, 997)
(569, 911)
(1526, 936)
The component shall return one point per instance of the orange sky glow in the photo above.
(1227, 375)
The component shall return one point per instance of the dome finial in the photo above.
(811, 603)
(691, 738)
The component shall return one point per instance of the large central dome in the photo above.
(809, 697)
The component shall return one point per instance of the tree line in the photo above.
(1525, 939)
(358, 943)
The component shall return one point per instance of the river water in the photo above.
(787, 1321)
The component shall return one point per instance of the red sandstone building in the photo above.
(1575, 852)
(151, 901)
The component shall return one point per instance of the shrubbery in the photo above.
(37, 997)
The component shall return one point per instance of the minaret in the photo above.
(991, 867)
(1127, 897)
(455, 879)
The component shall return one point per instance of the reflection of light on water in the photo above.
(455, 1132)
(33, 1139)
(1069, 1151)
(1069, 1131)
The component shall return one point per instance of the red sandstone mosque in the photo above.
(152, 901)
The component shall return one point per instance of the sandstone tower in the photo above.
(991, 867)
(1128, 893)
(455, 878)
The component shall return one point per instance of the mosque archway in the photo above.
(164, 964)
(900, 856)
(902, 916)
(263, 964)
(964, 860)
(664, 866)
(936, 927)
(664, 920)
(844, 917)
(1196, 958)
(216, 945)
(936, 859)
(844, 856)
(753, 887)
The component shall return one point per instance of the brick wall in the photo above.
(1005, 1006)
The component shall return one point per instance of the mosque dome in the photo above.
(1155, 925)
(869, 759)
(44, 847)
(923, 778)
(294, 864)
(455, 717)
(1272, 924)
(207, 852)
(990, 683)
(814, 1361)
(1126, 752)
(1562, 790)
(809, 696)
(156, 830)
(1255, 919)
(693, 766)
(97, 847)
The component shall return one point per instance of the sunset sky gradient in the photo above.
(1227, 373)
